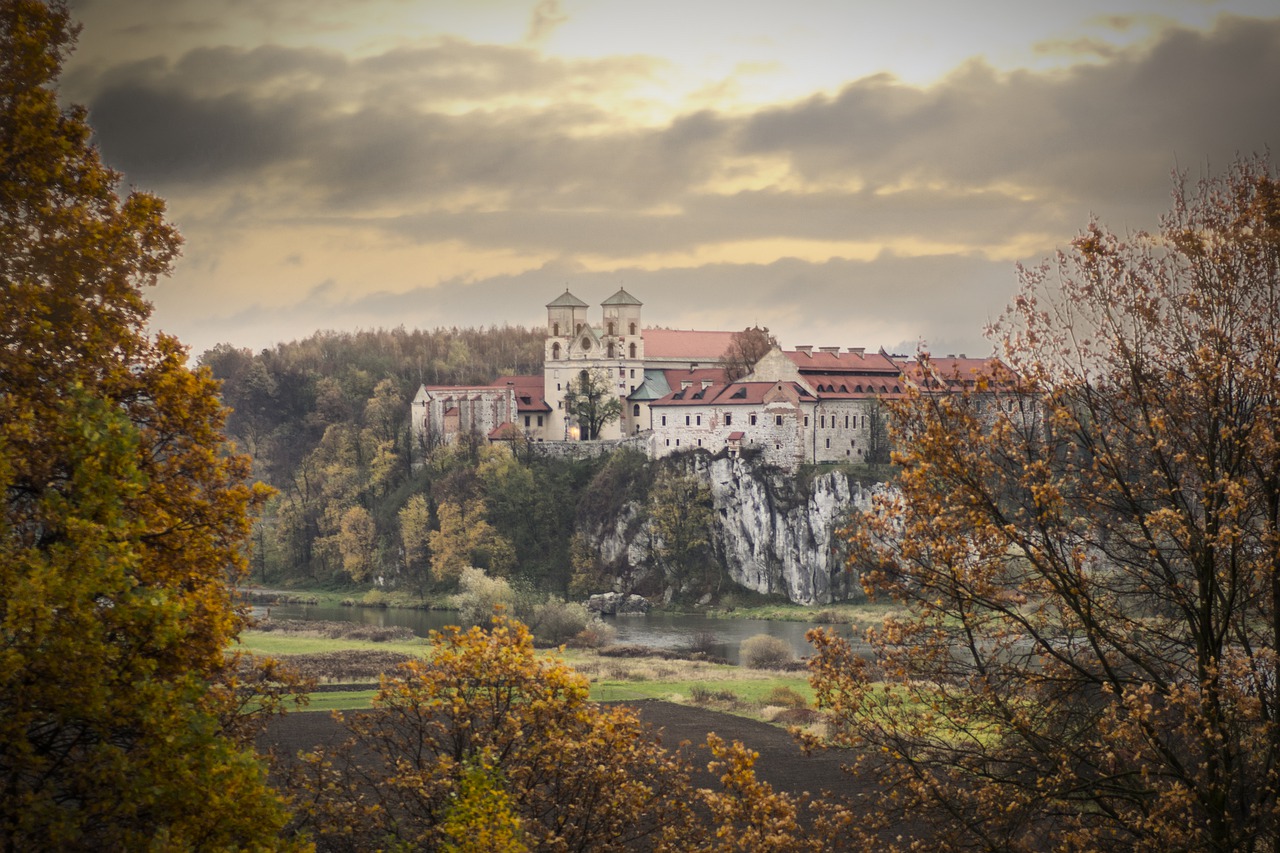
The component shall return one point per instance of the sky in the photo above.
(847, 173)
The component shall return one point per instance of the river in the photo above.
(719, 637)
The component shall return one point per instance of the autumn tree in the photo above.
(1092, 565)
(590, 399)
(415, 539)
(123, 521)
(486, 709)
(466, 539)
(746, 348)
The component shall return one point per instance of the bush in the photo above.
(765, 652)
(786, 697)
(480, 595)
(595, 635)
(555, 621)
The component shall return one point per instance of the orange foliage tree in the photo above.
(1091, 559)
(122, 518)
(487, 739)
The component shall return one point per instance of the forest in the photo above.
(325, 421)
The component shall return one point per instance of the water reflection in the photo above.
(720, 637)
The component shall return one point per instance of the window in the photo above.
(777, 420)
(622, 373)
(633, 355)
(699, 442)
(753, 420)
(686, 420)
(557, 386)
(806, 420)
(668, 442)
(560, 404)
(610, 354)
(677, 442)
(846, 421)
(577, 328)
(728, 419)
(699, 420)
(539, 420)
(611, 327)
(633, 350)
(828, 444)
(664, 420)
(555, 330)
(555, 350)
(527, 421)
(635, 410)
(632, 327)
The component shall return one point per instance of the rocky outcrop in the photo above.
(774, 531)
(616, 603)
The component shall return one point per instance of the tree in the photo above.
(680, 512)
(1093, 565)
(574, 775)
(590, 399)
(466, 539)
(122, 517)
(746, 348)
(415, 539)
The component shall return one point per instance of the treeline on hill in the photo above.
(326, 422)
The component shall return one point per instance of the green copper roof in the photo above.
(566, 300)
(622, 298)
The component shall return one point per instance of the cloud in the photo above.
(893, 211)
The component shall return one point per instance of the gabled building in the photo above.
(794, 407)
(442, 413)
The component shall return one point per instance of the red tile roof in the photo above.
(690, 345)
(842, 362)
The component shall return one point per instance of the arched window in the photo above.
(633, 350)
(635, 410)
(611, 353)
(611, 327)
(632, 327)
(555, 330)
(555, 350)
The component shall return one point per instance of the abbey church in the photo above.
(796, 406)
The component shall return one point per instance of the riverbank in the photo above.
(346, 660)
(860, 615)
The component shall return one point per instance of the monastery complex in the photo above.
(796, 406)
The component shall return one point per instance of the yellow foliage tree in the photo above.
(577, 776)
(122, 517)
(465, 539)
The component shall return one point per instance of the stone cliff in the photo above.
(773, 532)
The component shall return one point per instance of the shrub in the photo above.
(595, 635)
(480, 595)
(786, 697)
(555, 621)
(765, 652)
